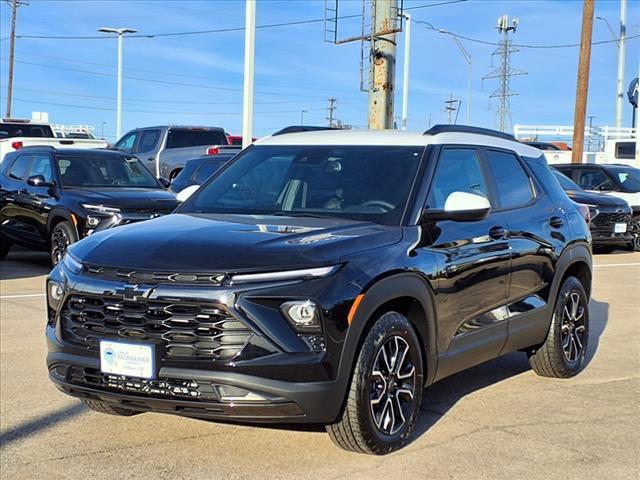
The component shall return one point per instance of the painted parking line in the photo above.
(24, 295)
(604, 265)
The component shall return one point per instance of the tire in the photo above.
(5, 246)
(562, 355)
(634, 245)
(62, 235)
(365, 427)
(101, 407)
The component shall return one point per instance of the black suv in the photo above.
(50, 198)
(610, 217)
(327, 277)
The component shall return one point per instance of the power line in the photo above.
(434, 4)
(430, 26)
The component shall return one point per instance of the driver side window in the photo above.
(458, 170)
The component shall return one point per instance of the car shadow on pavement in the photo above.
(24, 264)
(442, 396)
(43, 422)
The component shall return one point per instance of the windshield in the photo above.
(629, 177)
(565, 182)
(355, 182)
(99, 171)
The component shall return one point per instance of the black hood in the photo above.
(598, 199)
(127, 199)
(203, 243)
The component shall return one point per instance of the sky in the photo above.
(197, 79)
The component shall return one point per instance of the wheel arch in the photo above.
(406, 293)
(59, 215)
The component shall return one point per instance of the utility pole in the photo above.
(249, 60)
(504, 72)
(621, 53)
(450, 106)
(383, 63)
(582, 87)
(405, 72)
(12, 43)
(330, 109)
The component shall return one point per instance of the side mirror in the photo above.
(39, 181)
(462, 207)
(186, 193)
(164, 182)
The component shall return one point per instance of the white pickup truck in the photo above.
(15, 134)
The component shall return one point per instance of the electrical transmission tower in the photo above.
(504, 72)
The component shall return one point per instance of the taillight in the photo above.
(16, 145)
(213, 151)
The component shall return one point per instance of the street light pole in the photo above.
(302, 112)
(249, 60)
(405, 72)
(120, 32)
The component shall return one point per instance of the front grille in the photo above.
(145, 276)
(163, 387)
(184, 330)
(607, 219)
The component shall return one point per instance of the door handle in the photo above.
(151, 159)
(556, 222)
(23, 191)
(498, 233)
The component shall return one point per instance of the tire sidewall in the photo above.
(571, 285)
(68, 229)
(388, 325)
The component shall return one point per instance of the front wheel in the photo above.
(562, 355)
(385, 392)
(62, 236)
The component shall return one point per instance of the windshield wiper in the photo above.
(297, 214)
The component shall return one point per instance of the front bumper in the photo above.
(288, 380)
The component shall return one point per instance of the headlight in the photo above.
(71, 263)
(305, 274)
(303, 314)
(100, 208)
(55, 293)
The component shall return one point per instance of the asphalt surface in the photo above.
(497, 420)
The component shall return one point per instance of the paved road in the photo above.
(498, 420)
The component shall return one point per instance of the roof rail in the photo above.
(302, 128)
(436, 129)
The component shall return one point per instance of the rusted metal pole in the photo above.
(383, 64)
(12, 43)
(583, 82)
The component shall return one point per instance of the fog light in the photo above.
(229, 393)
(303, 314)
(54, 294)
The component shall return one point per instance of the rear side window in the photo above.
(195, 137)
(458, 170)
(20, 167)
(626, 150)
(550, 182)
(513, 185)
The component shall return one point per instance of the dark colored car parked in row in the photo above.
(618, 180)
(198, 170)
(328, 277)
(610, 217)
(50, 198)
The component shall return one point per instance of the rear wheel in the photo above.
(62, 236)
(386, 390)
(562, 355)
(101, 407)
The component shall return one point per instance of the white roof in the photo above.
(395, 137)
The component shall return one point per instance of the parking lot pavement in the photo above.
(498, 420)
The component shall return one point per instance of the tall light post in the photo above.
(405, 73)
(120, 32)
(249, 60)
(302, 112)
(620, 41)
